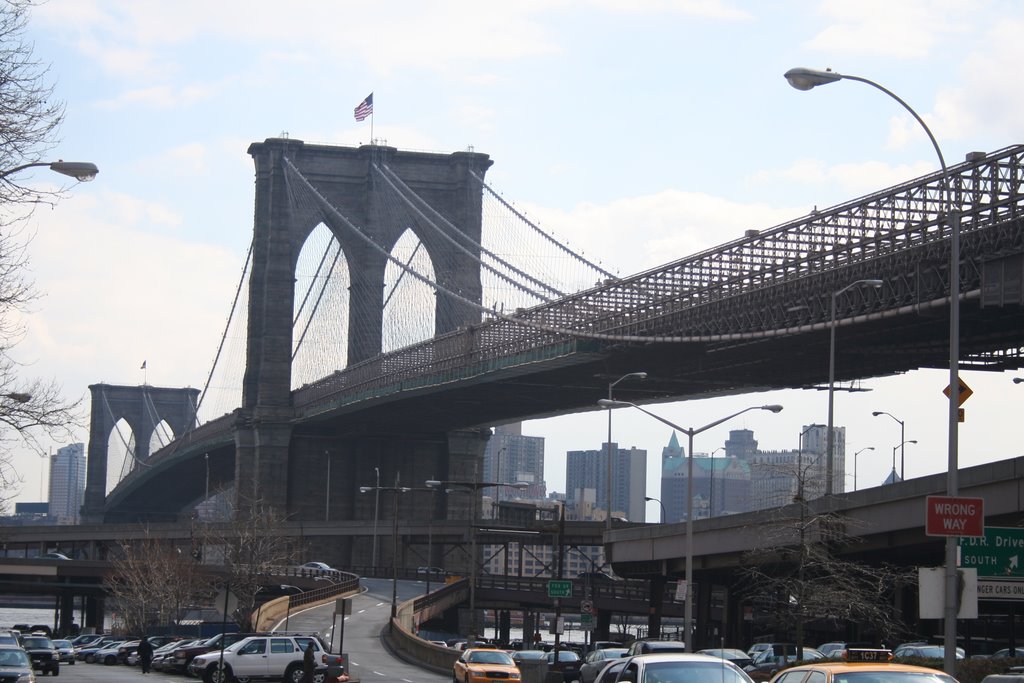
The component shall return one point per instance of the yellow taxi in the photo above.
(862, 665)
(484, 665)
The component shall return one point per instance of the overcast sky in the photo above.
(640, 131)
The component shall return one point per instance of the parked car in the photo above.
(568, 663)
(15, 665)
(769, 662)
(105, 654)
(597, 660)
(534, 655)
(162, 653)
(42, 653)
(275, 657)
(1005, 652)
(737, 657)
(65, 651)
(644, 647)
(477, 664)
(924, 650)
(674, 666)
(54, 556)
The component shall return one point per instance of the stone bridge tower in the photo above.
(143, 407)
(265, 463)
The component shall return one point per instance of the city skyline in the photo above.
(141, 264)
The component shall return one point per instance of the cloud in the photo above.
(633, 234)
(909, 29)
(850, 179)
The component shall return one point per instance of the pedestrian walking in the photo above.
(308, 664)
(145, 653)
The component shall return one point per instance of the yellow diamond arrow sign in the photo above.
(965, 391)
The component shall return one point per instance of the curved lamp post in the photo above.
(472, 487)
(902, 439)
(658, 501)
(805, 79)
(690, 433)
(1018, 380)
(711, 488)
(866, 448)
(396, 489)
(82, 171)
(829, 437)
(608, 447)
(902, 447)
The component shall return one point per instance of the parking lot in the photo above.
(118, 673)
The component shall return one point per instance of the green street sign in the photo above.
(1000, 552)
(560, 589)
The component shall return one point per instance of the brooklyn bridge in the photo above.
(361, 370)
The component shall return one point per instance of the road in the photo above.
(370, 662)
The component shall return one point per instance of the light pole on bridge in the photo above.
(805, 79)
(690, 433)
(473, 488)
(396, 489)
(608, 446)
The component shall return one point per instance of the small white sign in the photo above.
(931, 592)
(680, 591)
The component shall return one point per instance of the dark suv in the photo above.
(42, 653)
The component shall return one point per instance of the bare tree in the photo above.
(253, 548)
(797, 575)
(30, 410)
(154, 582)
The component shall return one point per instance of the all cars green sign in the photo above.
(1000, 552)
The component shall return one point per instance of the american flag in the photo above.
(365, 108)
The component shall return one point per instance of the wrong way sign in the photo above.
(954, 516)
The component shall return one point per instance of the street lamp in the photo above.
(902, 437)
(866, 448)
(608, 446)
(1018, 380)
(376, 515)
(396, 489)
(805, 79)
(690, 433)
(18, 396)
(800, 460)
(472, 487)
(829, 438)
(82, 171)
(711, 491)
(658, 501)
(900, 446)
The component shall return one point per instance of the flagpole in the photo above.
(371, 128)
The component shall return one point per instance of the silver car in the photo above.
(672, 666)
(65, 651)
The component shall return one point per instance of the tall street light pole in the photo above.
(658, 501)
(690, 433)
(903, 437)
(474, 488)
(902, 447)
(800, 460)
(711, 488)
(805, 79)
(396, 489)
(866, 448)
(829, 437)
(376, 516)
(608, 447)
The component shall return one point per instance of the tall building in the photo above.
(720, 485)
(586, 478)
(67, 483)
(511, 457)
